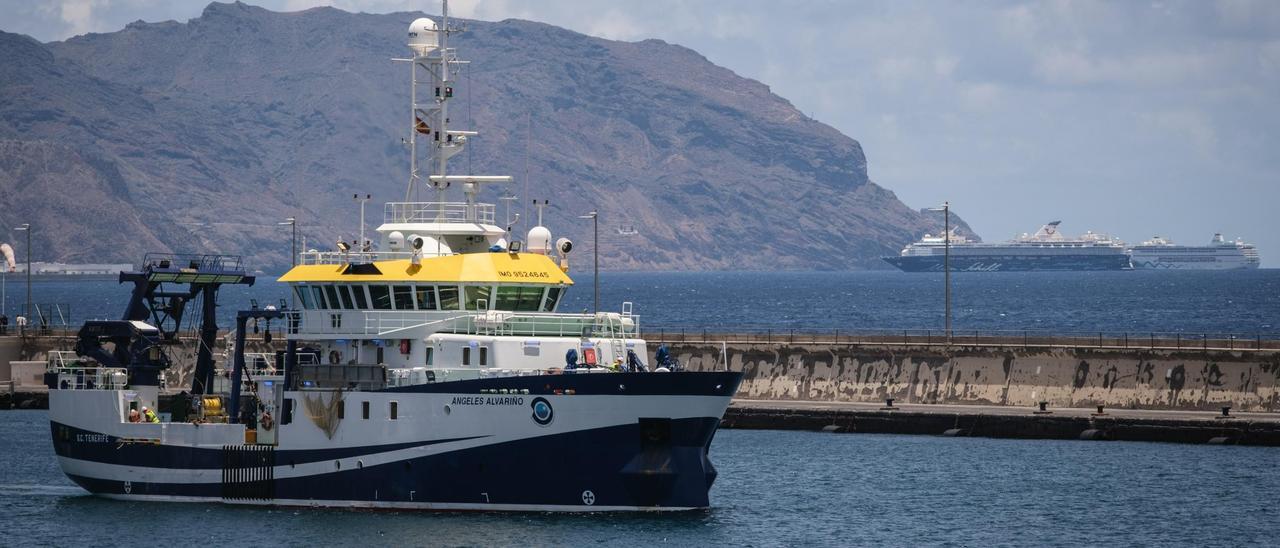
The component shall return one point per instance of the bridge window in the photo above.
(426, 297)
(448, 297)
(476, 294)
(518, 298)
(304, 295)
(362, 299)
(332, 293)
(404, 297)
(381, 297)
(553, 295)
(345, 292)
(317, 294)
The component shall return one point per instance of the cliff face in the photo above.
(202, 136)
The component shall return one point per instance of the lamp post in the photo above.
(293, 254)
(362, 201)
(595, 252)
(946, 260)
(26, 227)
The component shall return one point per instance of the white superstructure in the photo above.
(1162, 254)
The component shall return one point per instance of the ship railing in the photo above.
(387, 323)
(351, 257)
(77, 373)
(257, 364)
(438, 212)
(427, 375)
(202, 263)
(975, 338)
(531, 324)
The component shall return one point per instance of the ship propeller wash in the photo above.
(429, 372)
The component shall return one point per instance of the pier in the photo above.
(1102, 386)
(1157, 387)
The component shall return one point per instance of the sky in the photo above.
(1127, 117)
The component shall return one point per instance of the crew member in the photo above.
(149, 415)
(134, 416)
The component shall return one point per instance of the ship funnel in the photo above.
(423, 36)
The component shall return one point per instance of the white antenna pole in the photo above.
(413, 124)
(442, 92)
(528, 144)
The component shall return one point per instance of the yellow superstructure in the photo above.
(467, 268)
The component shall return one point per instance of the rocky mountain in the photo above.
(202, 136)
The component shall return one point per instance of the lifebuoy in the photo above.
(266, 422)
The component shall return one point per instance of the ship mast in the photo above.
(430, 116)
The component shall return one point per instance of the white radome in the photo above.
(395, 240)
(423, 36)
(539, 240)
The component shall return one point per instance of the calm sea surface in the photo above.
(775, 489)
(784, 488)
(1243, 302)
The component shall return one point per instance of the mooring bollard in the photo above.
(1100, 412)
(1226, 413)
(888, 405)
(1043, 409)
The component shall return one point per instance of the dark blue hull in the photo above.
(653, 463)
(623, 467)
(1003, 263)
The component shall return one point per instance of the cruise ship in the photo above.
(433, 373)
(1047, 249)
(1162, 254)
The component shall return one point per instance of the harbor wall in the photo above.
(1063, 377)
(1174, 379)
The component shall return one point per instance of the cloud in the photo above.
(78, 15)
(1067, 68)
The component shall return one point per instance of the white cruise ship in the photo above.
(1047, 249)
(1219, 254)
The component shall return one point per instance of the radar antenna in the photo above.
(430, 67)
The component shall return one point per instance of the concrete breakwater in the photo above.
(992, 373)
(1007, 422)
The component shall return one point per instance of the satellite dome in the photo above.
(395, 240)
(539, 240)
(423, 36)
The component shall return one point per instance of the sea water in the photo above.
(783, 488)
(775, 489)
(1245, 303)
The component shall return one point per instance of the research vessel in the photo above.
(1047, 249)
(1162, 254)
(431, 371)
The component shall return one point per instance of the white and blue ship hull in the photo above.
(1012, 263)
(573, 442)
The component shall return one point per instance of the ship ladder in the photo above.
(248, 472)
